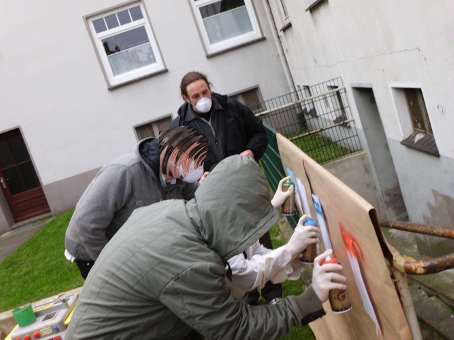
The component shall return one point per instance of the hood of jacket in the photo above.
(148, 152)
(233, 206)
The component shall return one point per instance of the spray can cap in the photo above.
(329, 259)
(310, 222)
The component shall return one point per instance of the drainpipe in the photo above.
(280, 47)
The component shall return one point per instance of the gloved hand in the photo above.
(302, 237)
(280, 196)
(326, 277)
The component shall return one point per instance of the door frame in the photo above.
(7, 196)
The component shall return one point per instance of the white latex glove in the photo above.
(326, 277)
(302, 237)
(280, 196)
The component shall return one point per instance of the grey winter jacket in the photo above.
(163, 274)
(117, 189)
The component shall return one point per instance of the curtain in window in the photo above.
(227, 24)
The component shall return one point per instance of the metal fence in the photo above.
(316, 118)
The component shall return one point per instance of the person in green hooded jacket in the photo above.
(163, 275)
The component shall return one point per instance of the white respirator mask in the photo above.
(203, 105)
(193, 174)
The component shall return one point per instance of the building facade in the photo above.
(82, 81)
(397, 63)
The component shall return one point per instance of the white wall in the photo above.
(381, 44)
(52, 84)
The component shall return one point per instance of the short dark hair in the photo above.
(189, 78)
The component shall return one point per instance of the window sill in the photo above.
(310, 4)
(231, 48)
(286, 24)
(422, 142)
(145, 76)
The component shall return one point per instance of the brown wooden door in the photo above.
(18, 179)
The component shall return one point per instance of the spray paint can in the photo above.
(309, 254)
(289, 207)
(338, 298)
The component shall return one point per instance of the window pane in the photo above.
(220, 6)
(111, 21)
(418, 111)
(163, 125)
(250, 98)
(99, 25)
(125, 40)
(136, 13)
(145, 131)
(223, 22)
(124, 17)
(132, 59)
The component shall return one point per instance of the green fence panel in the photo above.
(272, 165)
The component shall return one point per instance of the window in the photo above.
(225, 24)
(153, 129)
(125, 44)
(421, 138)
(251, 98)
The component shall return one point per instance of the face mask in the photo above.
(193, 175)
(203, 105)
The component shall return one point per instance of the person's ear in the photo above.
(186, 99)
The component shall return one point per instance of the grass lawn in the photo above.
(320, 148)
(38, 269)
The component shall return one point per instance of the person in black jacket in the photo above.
(231, 128)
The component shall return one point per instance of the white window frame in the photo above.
(114, 81)
(228, 44)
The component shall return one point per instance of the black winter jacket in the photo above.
(234, 128)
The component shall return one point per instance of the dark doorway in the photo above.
(380, 154)
(18, 179)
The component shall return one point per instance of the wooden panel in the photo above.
(343, 206)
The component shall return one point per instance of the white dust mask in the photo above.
(203, 105)
(193, 175)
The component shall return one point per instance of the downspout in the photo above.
(280, 47)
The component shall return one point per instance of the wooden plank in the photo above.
(343, 206)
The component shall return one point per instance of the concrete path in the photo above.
(11, 240)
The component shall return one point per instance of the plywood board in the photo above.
(343, 206)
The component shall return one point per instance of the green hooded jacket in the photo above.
(163, 274)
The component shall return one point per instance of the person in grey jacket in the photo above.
(162, 168)
(163, 275)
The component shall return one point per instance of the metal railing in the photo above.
(316, 118)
